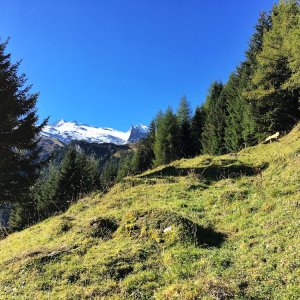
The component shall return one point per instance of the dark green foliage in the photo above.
(166, 146)
(242, 113)
(46, 192)
(251, 114)
(196, 130)
(101, 152)
(4, 214)
(235, 106)
(125, 167)
(109, 173)
(56, 188)
(184, 127)
(143, 157)
(77, 176)
(23, 214)
(240, 130)
(213, 131)
(18, 132)
(256, 42)
(276, 80)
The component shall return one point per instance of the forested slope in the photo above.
(211, 227)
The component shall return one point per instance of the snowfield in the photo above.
(69, 131)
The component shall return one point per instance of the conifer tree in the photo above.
(76, 176)
(46, 193)
(234, 104)
(24, 213)
(166, 138)
(275, 85)
(184, 127)
(240, 122)
(125, 167)
(144, 155)
(213, 130)
(256, 42)
(242, 115)
(109, 173)
(196, 130)
(19, 131)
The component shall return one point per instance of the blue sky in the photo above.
(115, 63)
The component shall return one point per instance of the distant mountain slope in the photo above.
(211, 227)
(49, 145)
(69, 131)
(102, 152)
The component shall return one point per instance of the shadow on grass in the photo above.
(168, 227)
(209, 237)
(211, 173)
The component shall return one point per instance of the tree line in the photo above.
(260, 97)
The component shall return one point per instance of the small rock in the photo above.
(168, 229)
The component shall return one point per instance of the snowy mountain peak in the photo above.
(136, 132)
(66, 132)
(59, 122)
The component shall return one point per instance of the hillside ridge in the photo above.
(210, 227)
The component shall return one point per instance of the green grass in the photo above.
(202, 228)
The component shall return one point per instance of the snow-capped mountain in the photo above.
(69, 131)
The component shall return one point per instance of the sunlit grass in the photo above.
(202, 228)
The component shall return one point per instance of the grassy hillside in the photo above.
(222, 227)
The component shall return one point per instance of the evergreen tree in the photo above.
(196, 130)
(78, 176)
(248, 109)
(46, 193)
(88, 175)
(213, 130)
(125, 167)
(41, 201)
(69, 179)
(58, 186)
(109, 173)
(275, 85)
(256, 42)
(184, 127)
(143, 157)
(234, 105)
(242, 114)
(240, 124)
(19, 163)
(166, 138)
(24, 213)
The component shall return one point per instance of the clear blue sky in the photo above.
(118, 62)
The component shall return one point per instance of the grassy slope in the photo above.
(233, 234)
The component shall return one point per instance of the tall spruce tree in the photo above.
(166, 147)
(234, 105)
(19, 132)
(251, 116)
(76, 176)
(196, 130)
(184, 128)
(242, 115)
(213, 130)
(47, 194)
(276, 80)
(109, 173)
(144, 155)
(240, 129)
